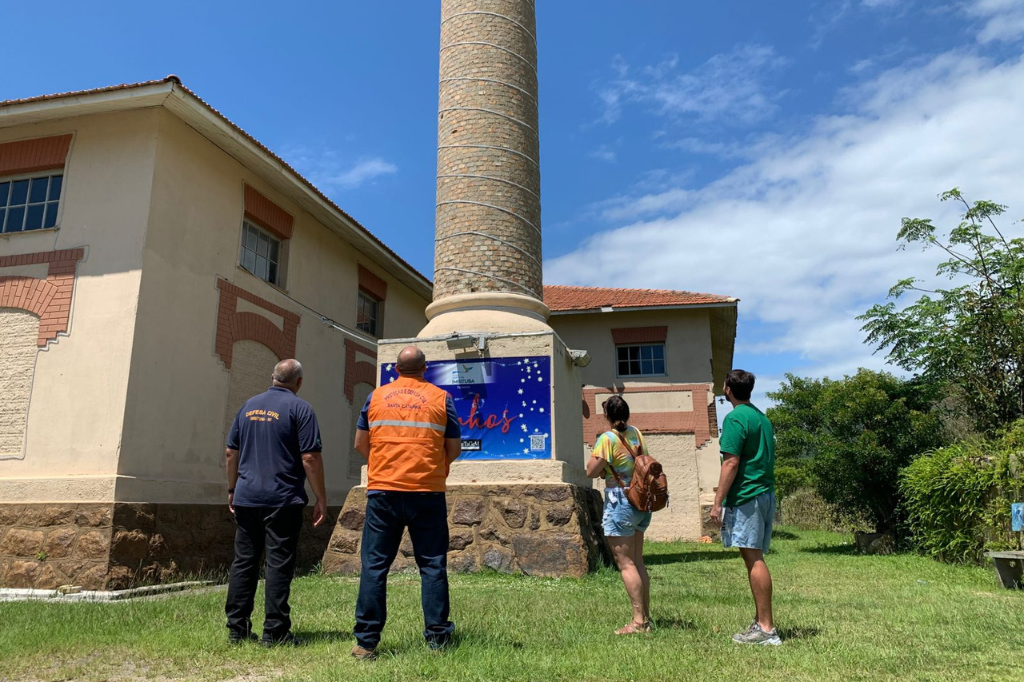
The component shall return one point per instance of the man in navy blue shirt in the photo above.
(273, 447)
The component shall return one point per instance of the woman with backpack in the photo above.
(613, 457)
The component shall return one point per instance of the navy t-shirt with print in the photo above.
(271, 433)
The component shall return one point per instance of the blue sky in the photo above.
(761, 150)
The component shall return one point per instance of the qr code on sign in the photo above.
(537, 442)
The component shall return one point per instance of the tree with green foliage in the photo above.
(969, 337)
(850, 438)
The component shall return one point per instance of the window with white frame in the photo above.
(261, 253)
(640, 360)
(368, 314)
(30, 203)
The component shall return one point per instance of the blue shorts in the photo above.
(750, 525)
(621, 519)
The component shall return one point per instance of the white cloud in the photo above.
(804, 233)
(363, 171)
(1004, 19)
(327, 171)
(730, 87)
(604, 153)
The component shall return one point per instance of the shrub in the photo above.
(957, 498)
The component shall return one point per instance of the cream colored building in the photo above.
(667, 353)
(155, 263)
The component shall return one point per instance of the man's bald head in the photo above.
(288, 374)
(411, 361)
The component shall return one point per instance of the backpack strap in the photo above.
(611, 467)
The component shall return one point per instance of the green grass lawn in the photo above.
(842, 616)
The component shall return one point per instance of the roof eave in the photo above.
(632, 309)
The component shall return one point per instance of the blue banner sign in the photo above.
(1017, 516)
(504, 404)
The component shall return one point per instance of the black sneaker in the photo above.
(236, 638)
(287, 639)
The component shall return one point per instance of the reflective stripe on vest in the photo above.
(413, 425)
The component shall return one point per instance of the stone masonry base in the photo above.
(121, 545)
(535, 529)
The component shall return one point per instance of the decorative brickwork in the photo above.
(696, 422)
(33, 156)
(630, 335)
(713, 418)
(267, 214)
(548, 530)
(488, 234)
(50, 299)
(372, 284)
(234, 326)
(358, 371)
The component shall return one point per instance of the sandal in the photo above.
(634, 629)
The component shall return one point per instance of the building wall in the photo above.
(77, 400)
(675, 411)
(687, 349)
(173, 449)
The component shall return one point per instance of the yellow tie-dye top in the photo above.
(610, 449)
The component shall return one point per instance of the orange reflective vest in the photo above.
(407, 422)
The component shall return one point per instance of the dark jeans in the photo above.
(387, 515)
(277, 530)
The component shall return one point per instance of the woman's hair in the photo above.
(617, 411)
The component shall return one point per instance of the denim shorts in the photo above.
(750, 525)
(621, 519)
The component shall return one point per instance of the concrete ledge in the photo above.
(61, 596)
(502, 472)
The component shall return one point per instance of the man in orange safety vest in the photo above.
(410, 434)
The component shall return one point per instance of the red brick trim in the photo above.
(358, 372)
(267, 214)
(372, 284)
(630, 335)
(696, 422)
(48, 298)
(32, 156)
(713, 418)
(234, 326)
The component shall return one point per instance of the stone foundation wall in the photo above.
(49, 545)
(116, 546)
(540, 530)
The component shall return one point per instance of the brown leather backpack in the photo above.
(648, 491)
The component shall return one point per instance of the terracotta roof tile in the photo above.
(566, 298)
(177, 81)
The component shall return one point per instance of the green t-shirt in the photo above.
(748, 434)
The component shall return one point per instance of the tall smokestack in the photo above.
(488, 233)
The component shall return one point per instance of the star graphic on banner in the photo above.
(387, 367)
(520, 415)
(526, 451)
(540, 378)
(524, 403)
(542, 409)
(522, 440)
(536, 430)
(391, 379)
(523, 426)
(534, 402)
(520, 391)
(522, 381)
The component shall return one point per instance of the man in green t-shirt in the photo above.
(746, 488)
